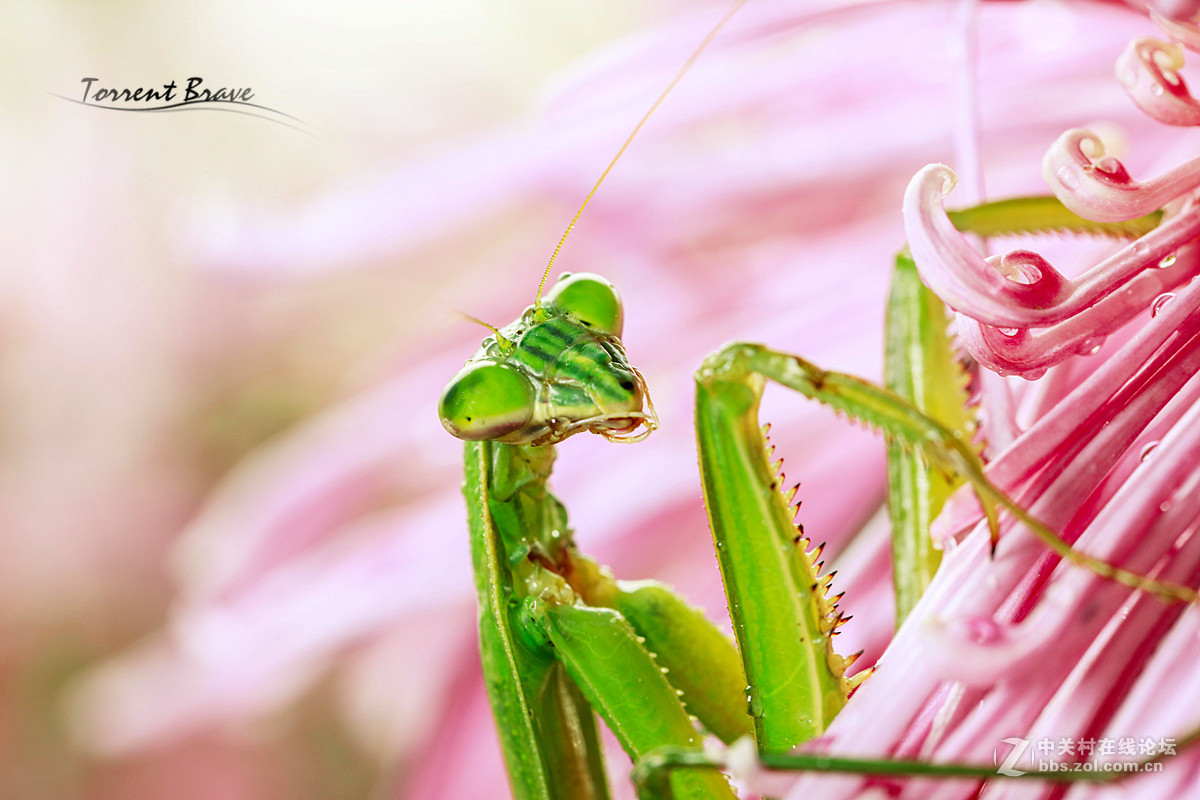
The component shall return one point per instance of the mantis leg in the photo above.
(547, 729)
(701, 662)
(781, 618)
(608, 661)
(651, 773)
(549, 657)
(738, 370)
(775, 591)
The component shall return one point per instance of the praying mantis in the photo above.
(562, 640)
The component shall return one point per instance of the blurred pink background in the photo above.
(137, 370)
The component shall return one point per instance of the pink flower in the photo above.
(1019, 646)
(760, 203)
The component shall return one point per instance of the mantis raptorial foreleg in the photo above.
(549, 658)
(777, 599)
(531, 697)
(757, 548)
(700, 660)
(745, 365)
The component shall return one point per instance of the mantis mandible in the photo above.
(562, 639)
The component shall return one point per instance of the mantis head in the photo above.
(558, 370)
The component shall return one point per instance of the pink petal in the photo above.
(1149, 71)
(1098, 187)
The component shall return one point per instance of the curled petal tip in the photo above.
(927, 188)
(948, 177)
(1148, 69)
(1098, 187)
(1029, 295)
(1068, 169)
(1027, 268)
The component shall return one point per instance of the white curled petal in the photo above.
(1148, 69)
(1098, 187)
(1032, 296)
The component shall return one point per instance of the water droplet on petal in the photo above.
(1165, 506)
(1090, 346)
(1068, 178)
(1160, 302)
(1156, 90)
(1033, 374)
(1008, 331)
(1140, 248)
(983, 630)
(1148, 452)
(1167, 261)
(1109, 165)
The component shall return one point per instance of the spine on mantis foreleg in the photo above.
(887, 411)
(781, 617)
(921, 367)
(701, 662)
(547, 729)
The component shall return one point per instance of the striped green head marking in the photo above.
(558, 370)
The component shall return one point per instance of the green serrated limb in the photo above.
(781, 619)
(702, 662)
(943, 448)
(1025, 215)
(547, 729)
(621, 679)
(921, 367)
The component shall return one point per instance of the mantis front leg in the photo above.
(731, 380)
(547, 730)
(556, 641)
(549, 657)
(781, 618)
(775, 593)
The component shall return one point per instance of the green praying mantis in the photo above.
(563, 641)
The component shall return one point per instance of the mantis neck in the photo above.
(530, 521)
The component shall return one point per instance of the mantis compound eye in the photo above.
(590, 300)
(487, 400)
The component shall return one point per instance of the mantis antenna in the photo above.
(501, 339)
(712, 34)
